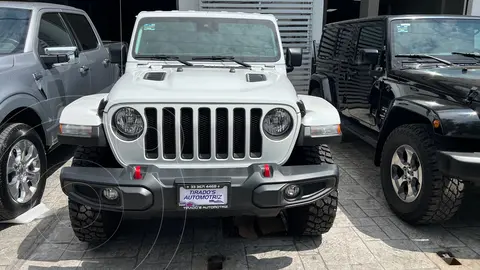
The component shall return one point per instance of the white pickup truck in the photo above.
(204, 120)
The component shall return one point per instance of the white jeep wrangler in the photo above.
(204, 120)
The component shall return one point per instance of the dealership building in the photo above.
(300, 21)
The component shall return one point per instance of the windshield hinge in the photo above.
(471, 95)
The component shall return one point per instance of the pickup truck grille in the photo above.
(203, 133)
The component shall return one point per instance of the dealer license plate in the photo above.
(203, 196)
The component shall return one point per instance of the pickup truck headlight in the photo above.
(128, 123)
(277, 122)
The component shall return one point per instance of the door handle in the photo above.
(106, 62)
(84, 69)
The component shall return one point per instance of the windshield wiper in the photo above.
(231, 58)
(448, 63)
(164, 57)
(468, 54)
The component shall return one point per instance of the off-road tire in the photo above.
(91, 225)
(11, 134)
(440, 197)
(88, 224)
(92, 156)
(316, 218)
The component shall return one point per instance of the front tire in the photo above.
(318, 217)
(92, 225)
(414, 188)
(23, 164)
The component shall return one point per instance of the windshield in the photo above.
(435, 36)
(187, 38)
(13, 29)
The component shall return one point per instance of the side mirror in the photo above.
(293, 58)
(118, 53)
(59, 55)
(367, 57)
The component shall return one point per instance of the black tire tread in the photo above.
(89, 225)
(447, 194)
(92, 156)
(318, 217)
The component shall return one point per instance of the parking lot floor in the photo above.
(366, 235)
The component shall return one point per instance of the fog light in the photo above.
(292, 191)
(110, 194)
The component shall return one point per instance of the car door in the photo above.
(61, 83)
(344, 55)
(371, 36)
(97, 56)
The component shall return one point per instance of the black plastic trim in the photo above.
(157, 192)
(98, 138)
(461, 165)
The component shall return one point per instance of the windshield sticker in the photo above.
(149, 27)
(403, 28)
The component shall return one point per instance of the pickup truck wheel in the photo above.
(414, 188)
(23, 164)
(318, 217)
(90, 225)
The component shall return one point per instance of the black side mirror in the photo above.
(367, 57)
(118, 53)
(293, 58)
(50, 60)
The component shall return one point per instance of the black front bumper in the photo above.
(461, 165)
(156, 194)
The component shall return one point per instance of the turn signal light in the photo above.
(436, 123)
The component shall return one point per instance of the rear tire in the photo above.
(20, 136)
(439, 197)
(318, 217)
(91, 225)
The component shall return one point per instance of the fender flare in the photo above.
(403, 111)
(325, 84)
(23, 100)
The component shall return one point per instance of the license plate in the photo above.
(203, 196)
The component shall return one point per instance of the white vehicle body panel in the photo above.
(211, 86)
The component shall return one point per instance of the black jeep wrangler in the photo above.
(408, 85)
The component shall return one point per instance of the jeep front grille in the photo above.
(203, 133)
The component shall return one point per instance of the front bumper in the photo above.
(461, 165)
(156, 193)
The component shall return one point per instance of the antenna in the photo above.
(122, 68)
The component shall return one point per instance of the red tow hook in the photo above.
(267, 171)
(137, 174)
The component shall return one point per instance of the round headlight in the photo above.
(277, 122)
(128, 122)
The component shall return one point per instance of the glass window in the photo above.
(435, 36)
(327, 46)
(247, 40)
(345, 51)
(371, 37)
(83, 30)
(52, 33)
(13, 29)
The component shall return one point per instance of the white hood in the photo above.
(203, 85)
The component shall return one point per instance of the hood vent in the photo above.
(155, 76)
(256, 77)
